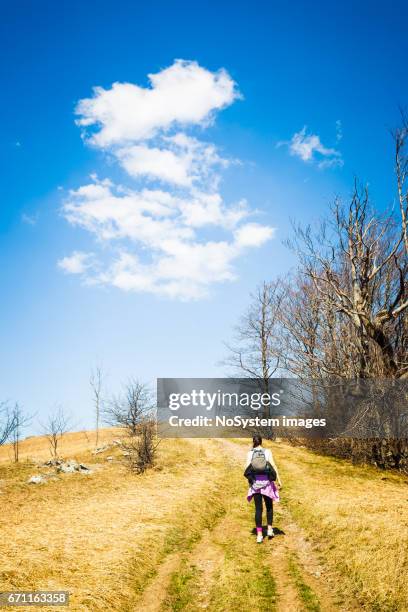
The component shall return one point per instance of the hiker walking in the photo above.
(261, 472)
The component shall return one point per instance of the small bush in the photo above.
(141, 448)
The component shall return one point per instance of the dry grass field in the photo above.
(179, 536)
(72, 444)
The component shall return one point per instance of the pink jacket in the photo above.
(269, 489)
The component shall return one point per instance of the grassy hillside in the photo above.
(179, 536)
(73, 444)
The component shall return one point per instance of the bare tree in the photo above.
(57, 424)
(96, 382)
(357, 266)
(254, 351)
(131, 408)
(401, 170)
(21, 420)
(7, 422)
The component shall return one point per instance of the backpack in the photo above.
(258, 461)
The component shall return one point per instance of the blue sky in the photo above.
(237, 154)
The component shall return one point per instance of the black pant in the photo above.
(258, 509)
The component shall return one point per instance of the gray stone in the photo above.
(84, 469)
(36, 479)
(101, 449)
(65, 468)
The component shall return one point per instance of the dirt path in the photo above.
(216, 572)
(153, 596)
(287, 592)
(225, 570)
(205, 558)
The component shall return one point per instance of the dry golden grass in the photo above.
(101, 535)
(70, 445)
(359, 516)
(104, 536)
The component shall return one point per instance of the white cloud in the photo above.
(253, 235)
(182, 94)
(184, 270)
(77, 263)
(141, 126)
(160, 237)
(180, 160)
(208, 209)
(309, 148)
(156, 163)
(110, 214)
(165, 231)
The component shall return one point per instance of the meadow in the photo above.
(179, 536)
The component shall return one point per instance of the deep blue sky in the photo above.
(299, 64)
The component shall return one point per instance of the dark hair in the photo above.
(257, 441)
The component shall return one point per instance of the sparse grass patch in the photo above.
(306, 594)
(185, 530)
(180, 595)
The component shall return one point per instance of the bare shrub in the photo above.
(133, 410)
(141, 449)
